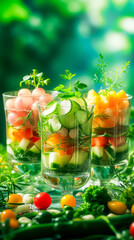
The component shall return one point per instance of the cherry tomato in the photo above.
(68, 200)
(131, 229)
(13, 223)
(132, 209)
(7, 214)
(42, 200)
(14, 198)
(117, 207)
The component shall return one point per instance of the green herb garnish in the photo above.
(104, 77)
(70, 91)
(35, 79)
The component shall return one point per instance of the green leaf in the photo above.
(63, 76)
(82, 86)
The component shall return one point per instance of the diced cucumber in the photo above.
(68, 120)
(81, 101)
(79, 157)
(34, 149)
(122, 148)
(24, 144)
(49, 110)
(81, 116)
(38, 144)
(97, 152)
(52, 159)
(109, 152)
(54, 124)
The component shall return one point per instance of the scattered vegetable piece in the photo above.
(7, 214)
(13, 223)
(132, 209)
(42, 200)
(68, 200)
(117, 207)
(14, 198)
(131, 229)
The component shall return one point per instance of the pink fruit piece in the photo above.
(23, 103)
(37, 92)
(24, 92)
(15, 119)
(46, 98)
(10, 104)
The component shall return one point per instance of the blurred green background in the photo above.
(54, 35)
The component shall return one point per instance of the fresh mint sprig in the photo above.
(104, 77)
(72, 90)
(35, 79)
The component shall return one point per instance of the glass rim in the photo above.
(11, 95)
(45, 106)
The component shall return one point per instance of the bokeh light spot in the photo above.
(127, 24)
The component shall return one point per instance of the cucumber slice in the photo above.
(49, 110)
(53, 159)
(64, 107)
(24, 144)
(55, 124)
(122, 148)
(68, 120)
(81, 116)
(79, 157)
(97, 152)
(38, 144)
(110, 153)
(34, 149)
(81, 101)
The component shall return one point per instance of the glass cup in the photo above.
(110, 146)
(23, 140)
(65, 145)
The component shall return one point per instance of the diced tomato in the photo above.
(99, 141)
(117, 141)
(58, 139)
(70, 151)
(61, 152)
(35, 139)
(23, 133)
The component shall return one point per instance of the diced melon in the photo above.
(24, 144)
(79, 157)
(34, 149)
(38, 144)
(49, 158)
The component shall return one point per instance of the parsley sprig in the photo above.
(35, 79)
(72, 90)
(104, 77)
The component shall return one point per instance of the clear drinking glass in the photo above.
(110, 146)
(23, 140)
(65, 145)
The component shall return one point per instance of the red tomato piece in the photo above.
(131, 229)
(70, 151)
(42, 200)
(23, 133)
(117, 141)
(35, 139)
(99, 141)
